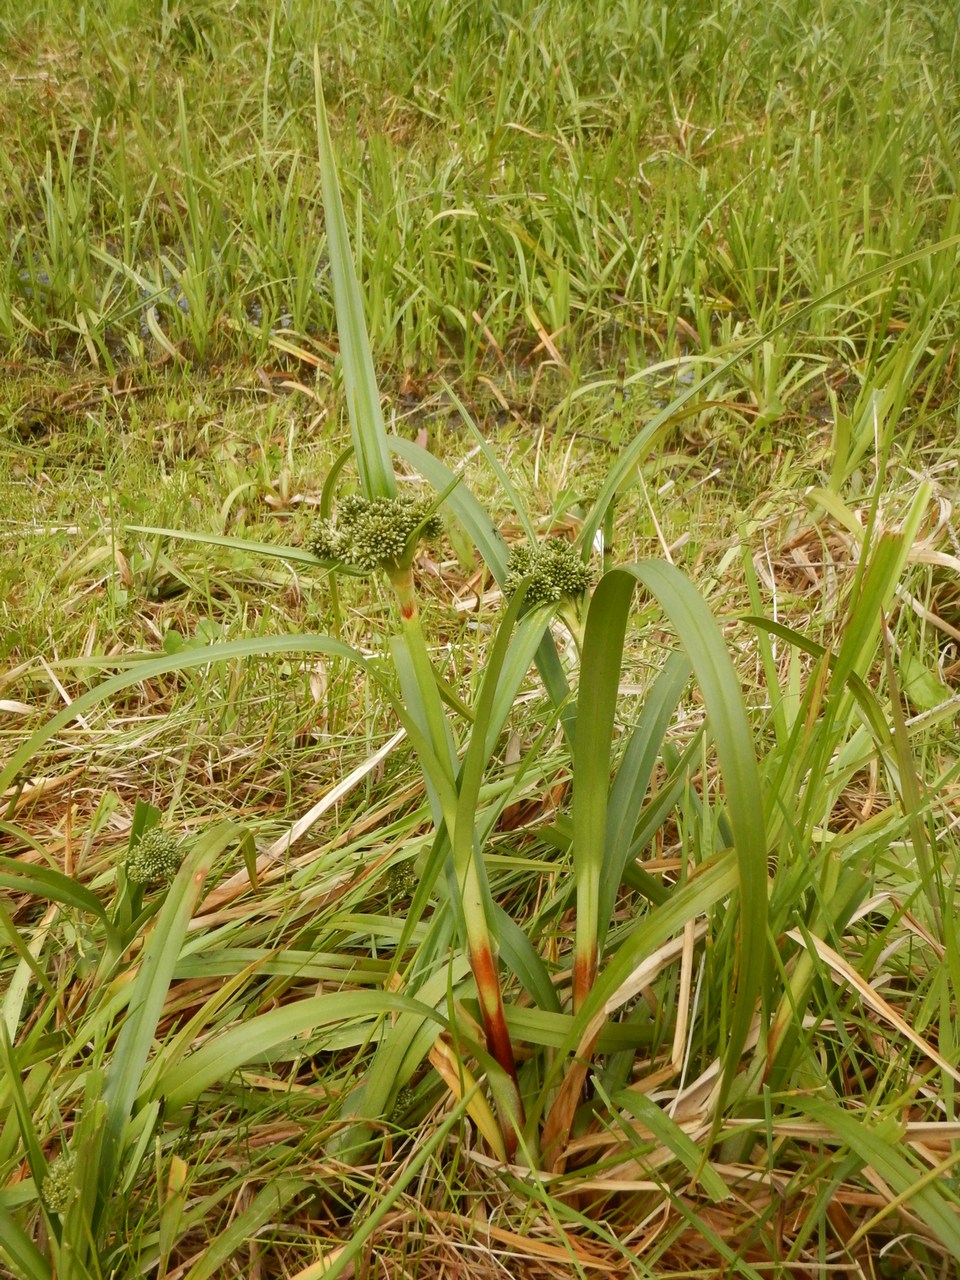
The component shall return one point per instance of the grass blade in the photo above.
(733, 739)
(147, 668)
(359, 379)
(253, 1040)
(149, 993)
(633, 777)
(297, 554)
(270, 1203)
(25, 1259)
(879, 1147)
(626, 464)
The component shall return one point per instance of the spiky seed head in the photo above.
(59, 1187)
(554, 567)
(406, 1097)
(373, 533)
(402, 879)
(324, 541)
(155, 859)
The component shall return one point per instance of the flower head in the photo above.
(555, 569)
(406, 1097)
(373, 533)
(59, 1187)
(155, 859)
(402, 879)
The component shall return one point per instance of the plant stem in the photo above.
(470, 884)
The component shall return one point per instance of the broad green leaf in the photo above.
(633, 777)
(409, 1038)
(461, 502)
(498, 690)
(518, 956)
(699, 893)
(921, 687)
(665, 1130)
(733, 739)
(550, 1028)
(424, 707)
(53, 886)
(507, 663)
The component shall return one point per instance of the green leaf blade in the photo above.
(359, 378)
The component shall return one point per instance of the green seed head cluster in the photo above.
(373, 533)
(155, 859)
(556, 570)
(402, 879)
(59, 1187)
(406, 1097)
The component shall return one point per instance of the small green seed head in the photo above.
(555, 569)
(324, 541)
(402, 879)
(373, 533)
(59, 1187)
(406, 1097)
(155, 859)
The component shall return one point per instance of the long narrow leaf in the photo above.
(714, 671)
(54, 886)
(256, 1039)
(185, 660)
(277, 551)
(270, 1203)
(461, 502)
(359, 379)
(408, 1040)
(494, 551)
(149, 993)
(709, 885)
(21, 1108)
(633, 777)
(25, 1259)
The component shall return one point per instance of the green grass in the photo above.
(283, 1064)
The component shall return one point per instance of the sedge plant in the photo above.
(379, 530)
